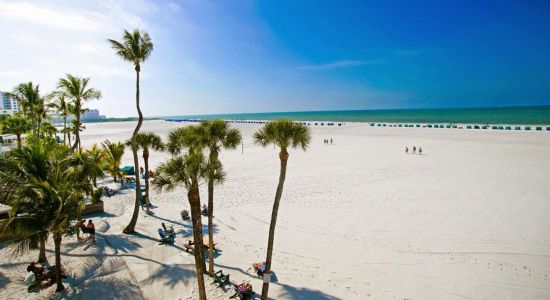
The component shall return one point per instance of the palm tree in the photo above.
(76, 88)
(214, 135)
(147, 141)
(93, 162)
(283, 134)
(16, 125)
(63, 108)
(48, 129)
(188, 170)
(31, 103)
(113, 155)
(39, 183)
(134, 48)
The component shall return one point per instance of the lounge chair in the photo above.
(243, 291)
(185, 215)
(166, 238)
(189, 247)
(220, 279)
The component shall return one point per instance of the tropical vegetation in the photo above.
(76, 89)
(113, 153)
(146, 141)
(45, 191)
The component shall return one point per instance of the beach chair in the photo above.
(243, 291)
(189, 247)
(166, 238)
(220, 279)
(538, 128)
(527, 127)
(185, 215)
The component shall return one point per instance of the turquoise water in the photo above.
(487, 115)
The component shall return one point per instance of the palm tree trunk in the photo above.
(42, 252)
(131, 226)
(76, 144)
(64, 130)
(18, 140)
(194, 203)
(69, 137)
(57, 242)
(210, 230)
(283, 156)
(146, 160)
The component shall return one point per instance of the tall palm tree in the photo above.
(31, 103)
(214, 135)
(147, 141)
(188, 170)
(76, 88)
(113, 155)
(135, 48)
(63, 108)
(38, 181)
(16, 125)
(283, 134)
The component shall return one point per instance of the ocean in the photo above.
(532, 115)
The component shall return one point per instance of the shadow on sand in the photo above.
(172, 274)
(3, 280)
(291, 292)
(108, 288)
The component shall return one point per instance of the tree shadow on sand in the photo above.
(3, 280)
(291, 292)
(108, 288)
(172, 274)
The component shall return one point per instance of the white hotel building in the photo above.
(8, 105)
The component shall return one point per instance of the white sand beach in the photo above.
(359, 219)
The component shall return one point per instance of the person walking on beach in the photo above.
(420, 150)
(414, 149)
(407, 149)
(331, 141)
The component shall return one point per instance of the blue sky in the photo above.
(256, 56)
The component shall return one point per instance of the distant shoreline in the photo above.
(530, 115)
(520, 115)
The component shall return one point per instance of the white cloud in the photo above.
(340, 64)
(40, 15)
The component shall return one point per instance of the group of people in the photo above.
(42, 276)
(86, 228)
(327, 141)
(150, 173)
(413, 150)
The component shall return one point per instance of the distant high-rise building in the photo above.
(92, 114)
(8, 105)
